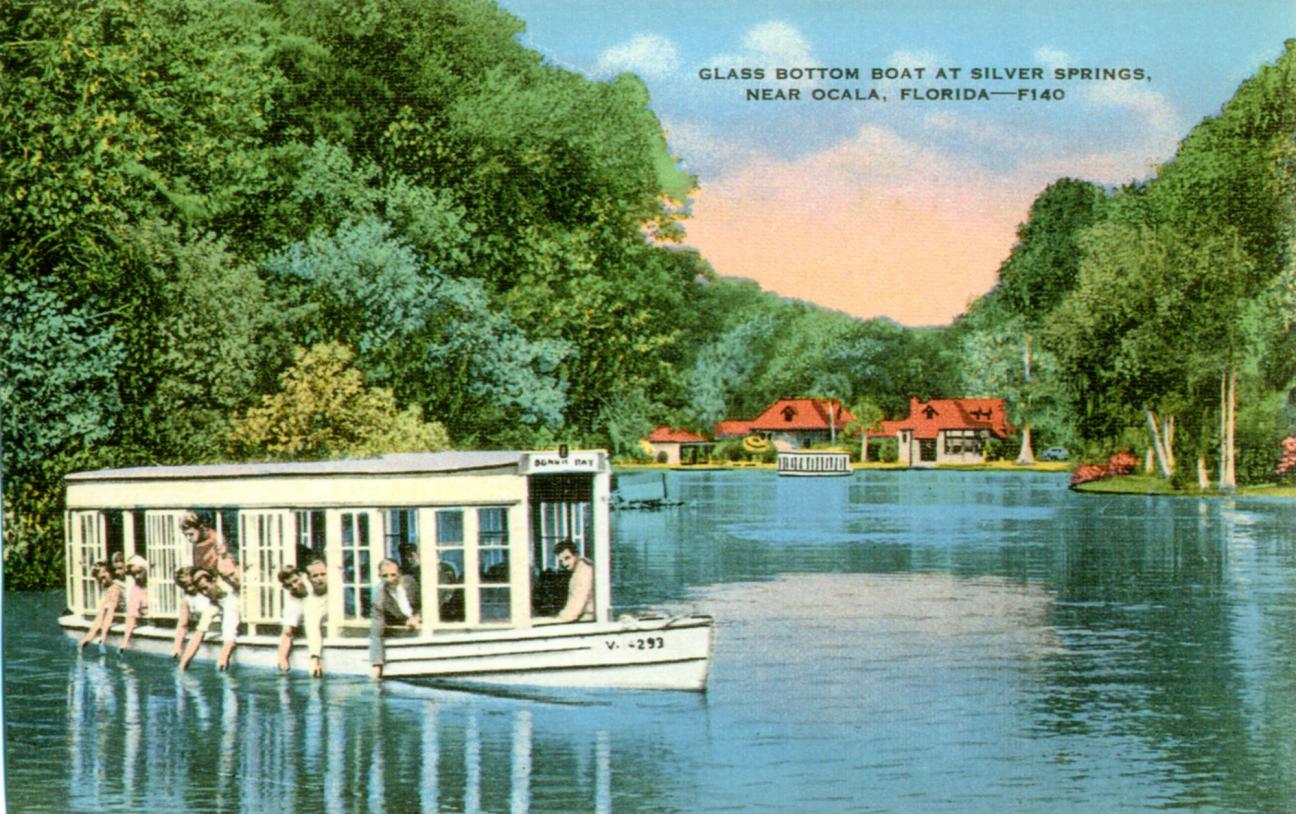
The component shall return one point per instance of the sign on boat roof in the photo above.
(395, 464)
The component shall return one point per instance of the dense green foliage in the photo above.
(324, 410)
(481, 250)
(1146, 301)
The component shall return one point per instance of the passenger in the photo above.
(225, 604)
(118, 565)
(208, 547)
(580, 588)
(409, 557)
(193, 603)
(109, 602)
(295, 590)
(136, 596)
(227, 568)
(451, 600)
(315, 611)
(394, 603)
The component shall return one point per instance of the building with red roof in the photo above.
(731, 428)
(799, 423)
(674, 446)
(941, 431)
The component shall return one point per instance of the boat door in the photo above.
(568, 495)
(562, 508)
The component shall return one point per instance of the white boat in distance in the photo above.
(483, 523)
(814, 463)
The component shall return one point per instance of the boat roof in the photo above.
(395, 464)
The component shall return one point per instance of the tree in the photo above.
(1040, 270)
(1152, 323)
(201, 339)
(868, 416)
(725, 367)
(433, 339)
(118, 111)
(324, 410)
(58, 395)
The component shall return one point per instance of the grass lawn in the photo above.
(1152, 485)
(1130, 485)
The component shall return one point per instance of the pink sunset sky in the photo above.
(837, 229)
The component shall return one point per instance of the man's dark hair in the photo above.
(566, 545)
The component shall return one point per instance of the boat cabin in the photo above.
(477, 528)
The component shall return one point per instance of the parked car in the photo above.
(1055, 454)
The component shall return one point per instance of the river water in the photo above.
(886, 642)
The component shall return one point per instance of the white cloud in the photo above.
(915, 59)
(1159, 125)
(649, 55)
(779, 43)
(774, 44)
(704, 146)
(1052, 57)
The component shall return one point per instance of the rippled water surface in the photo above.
(891, 641)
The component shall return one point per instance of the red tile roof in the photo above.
(671, 435)
(927, 418)
(802, 414)
(732, 428)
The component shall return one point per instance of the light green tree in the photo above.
(324, 410)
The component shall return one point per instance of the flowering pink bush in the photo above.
(1122, 463)
(1287, 463)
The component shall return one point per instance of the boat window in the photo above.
(493, 564)
(140, 538)
(401, 529)
(114, 534)
(228, 525)
(355, 565)
(168, 549)
(266, 539)
(85, 547)
(450, 565)
(310, 536)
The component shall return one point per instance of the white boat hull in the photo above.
(653, 653)
(814, 464)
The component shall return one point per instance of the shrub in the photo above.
(1287, 459)
(884, 450)
(1121, 463)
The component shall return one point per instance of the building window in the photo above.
(962, 442)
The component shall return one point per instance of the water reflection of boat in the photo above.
(814, 463)
(270, 743)
(484, 524)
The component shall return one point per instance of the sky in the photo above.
(904, 206)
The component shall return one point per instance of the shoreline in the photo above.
(1154, 486)
(993, 466)
(1149, 485)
